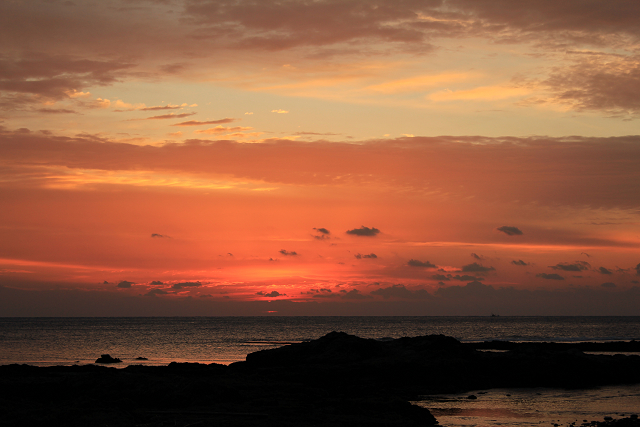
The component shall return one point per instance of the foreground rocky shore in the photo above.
(337, 380)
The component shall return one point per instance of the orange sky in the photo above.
(330, 157)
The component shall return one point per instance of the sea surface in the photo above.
(161, 340)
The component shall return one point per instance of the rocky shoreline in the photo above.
(336, 380)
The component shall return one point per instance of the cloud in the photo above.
(476, 268)
(210, 122)
(125, 284)
(417, 263)
(440, 277)
(170, 116)
(371, 255)
(156, 235)
(155, 292)
(354, 294)
(576, 266)
(519, 262)
(510, 231)
(163, 107)
(552, 276)
(322, 230)
(221, 129)
(364, 231)
(603, 270)
(608, 285)
(638, 269)
(184, 285)
(401, 292)
(271, 294)
(287, 253)
(156, 282)
(476, 256)
(280, 111)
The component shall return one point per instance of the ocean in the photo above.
(161, 340)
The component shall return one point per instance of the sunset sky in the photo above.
(383, 157)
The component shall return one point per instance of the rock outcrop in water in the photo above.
(337, 380)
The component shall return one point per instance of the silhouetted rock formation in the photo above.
(105, 358)
(337, 380)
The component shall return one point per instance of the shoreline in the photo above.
(338, 379)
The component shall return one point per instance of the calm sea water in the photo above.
(68, 341)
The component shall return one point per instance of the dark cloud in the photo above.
(510, 231)
(417, 263)
(322, 230)
(519, 262)
(56, 111)
(210, 122)
(476, 256)
(608, 285)
(576, 266)
(603, 270)
(154, 235)
(638, 269)
(155, 292)
(552, 276)
(125, 284)
(401, 292)
(364, 231)
(271, 294)
(371, 255)
(354, 294)
(476, 268)
(156, 282)
(440, 277)
(287, 253)
(183, 285)
(465, 278)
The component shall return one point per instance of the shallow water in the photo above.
(532, 407)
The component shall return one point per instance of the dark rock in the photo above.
(105, 358)
(472, 396)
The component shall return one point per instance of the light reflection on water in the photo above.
(65, 341)
(529, 407)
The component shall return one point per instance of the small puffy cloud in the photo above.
(271, 294)
(125, 284)
(322, 230)
(576, 266)
(248, 113)
(288, 253)
(280, 111)
(476, 268)
(603, 270)
(638, 269)
(519, 262)
(156, 282)
(417, 263)
(440, 277)
(371, 255)
(209, 122)
(510, 231)
(401, 292)
(183, 285)
(354, 294)
(364, 231)
(608, 285)
(222, 129)
(156, 235)
(552, 276)
(476, 256)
